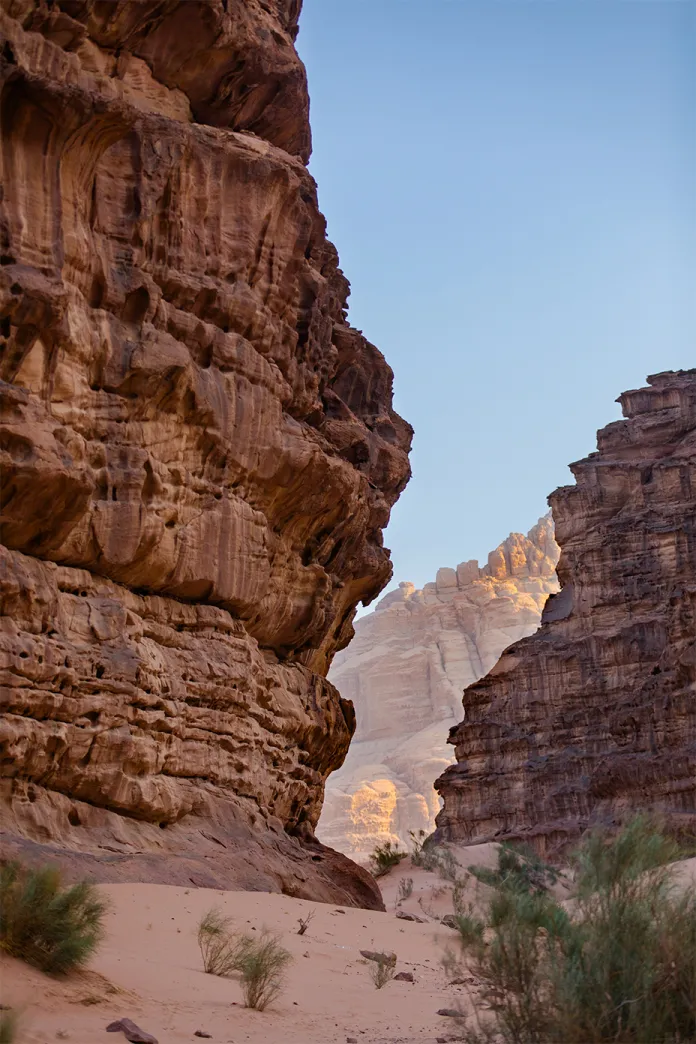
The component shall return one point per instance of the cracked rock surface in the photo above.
(594, 716)
(198, 452)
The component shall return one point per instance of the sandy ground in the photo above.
(149, 968)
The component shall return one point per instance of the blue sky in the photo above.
(511, 188)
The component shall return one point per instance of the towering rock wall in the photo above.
(404, 672)
(595, 715)
(198, 453)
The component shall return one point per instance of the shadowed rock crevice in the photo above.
(191, 510)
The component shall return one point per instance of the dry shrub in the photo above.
(52, 927)
(382, 972)
(8, 1026)
(217, 944)
(622, 968)
(261, 962)
(405, 889)
(384, 858)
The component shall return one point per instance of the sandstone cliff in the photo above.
(405, 670)
(198, 452)
(595, 715)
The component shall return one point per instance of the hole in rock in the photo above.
(170, 524)
(8, 54)
(83, 594)
(100, 671)
(163, 826)
(5, 326)
(136, 306)
(15, 289)
(6, 259)
(97, 291)
(73, 818)
(23, 655)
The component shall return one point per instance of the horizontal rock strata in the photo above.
(198, 452)
(404, 672)
(594, 716)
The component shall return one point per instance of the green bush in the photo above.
(262, 963)
(433, 857)
(519, 870)
(45, 924)
(622, 968)
(382, 972)
(385, 857)
(219, 947)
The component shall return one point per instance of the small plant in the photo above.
(304, 922)
(470, 928)
(382, 971)
(405, 888)
(417, 840)
(52, 927)
(262, 962)
(219, 948)
(432, 857)
(385, 857)
(8, 1026)
(519, 870)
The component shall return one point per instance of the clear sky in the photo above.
(511, 185)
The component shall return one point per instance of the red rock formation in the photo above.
(595, 714)
(198, 452)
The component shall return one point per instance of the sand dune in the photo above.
(149, 970)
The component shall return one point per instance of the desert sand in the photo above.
(149, 969)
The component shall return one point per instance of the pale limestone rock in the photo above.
(405, 671)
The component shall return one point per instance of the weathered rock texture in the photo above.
(198, 452)
(405, 670)
(595, 715)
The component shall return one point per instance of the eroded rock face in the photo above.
(198, 452)
(404, 672)
(595, 715)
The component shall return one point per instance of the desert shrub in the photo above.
(470, 928)
(52, 927)
(8, 1026)
(418, 838)
(433, 857)
(622, 968)
(304, 922)
(405, 888)
(385, 857)
(382, 972)
(262, 963)
(519, 870)
(220, 948)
